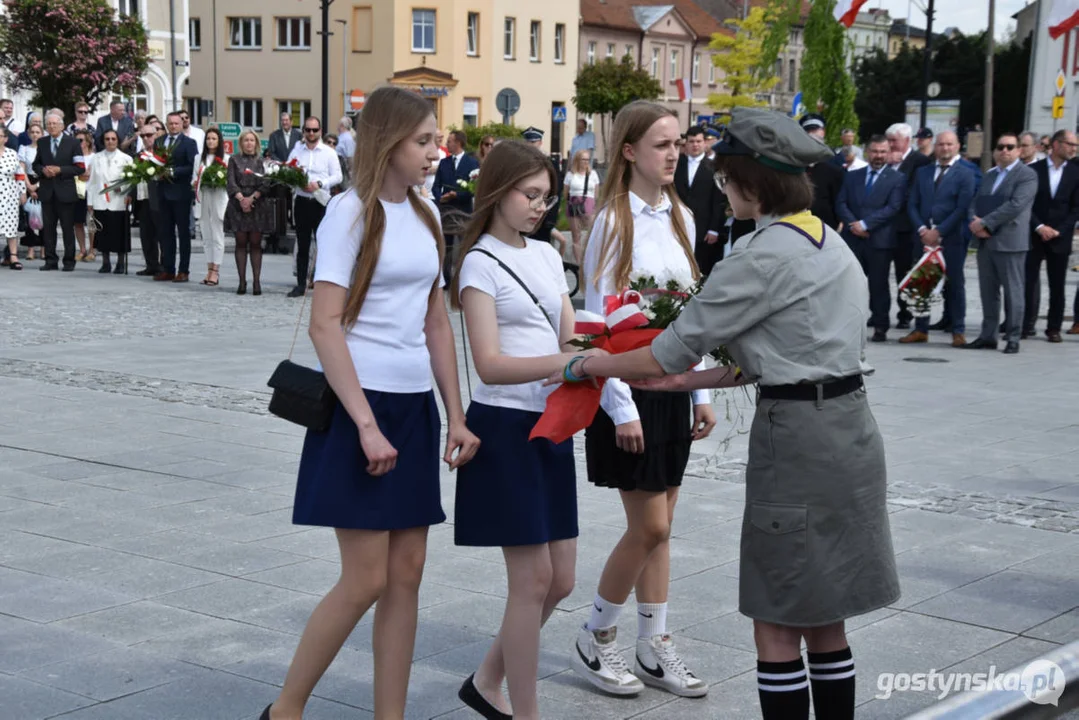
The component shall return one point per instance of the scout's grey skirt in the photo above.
(816, 543)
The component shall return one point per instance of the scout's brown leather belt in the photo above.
(812, 391)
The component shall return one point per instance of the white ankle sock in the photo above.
(604, 614)
(651, 619)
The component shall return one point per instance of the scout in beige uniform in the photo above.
(789, 303)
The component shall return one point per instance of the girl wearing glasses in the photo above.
(516, 494)
(639, 441)
(487, 144)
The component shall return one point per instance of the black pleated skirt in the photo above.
(666, 421)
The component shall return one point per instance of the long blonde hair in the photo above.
(630, 125)
(508, 163)
(390, 116)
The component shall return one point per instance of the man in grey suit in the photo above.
(278, 148)
(1001, 229)
(117, 120)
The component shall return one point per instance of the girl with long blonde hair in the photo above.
(380, 327)
(639, 441)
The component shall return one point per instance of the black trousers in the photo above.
(707, 255)
(901, 258)
(151, 248)
(1056, 268)
(175, 226)
(53, 211)
(308, 214)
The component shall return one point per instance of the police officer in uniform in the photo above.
(789, 304)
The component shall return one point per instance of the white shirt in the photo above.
(196, 134)
(320, 163)
(346, 145)
(106, 167)
(387, 343)
(857, 164)
(1003, 173)
(522, 329)
(937, 170)
(655, 251)
(692, 163)
(1055, 173)
(457, 159)
(575, 182)
(429, 181)
(895, 166)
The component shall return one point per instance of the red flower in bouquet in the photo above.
(921, 288)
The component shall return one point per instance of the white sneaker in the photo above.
(658, 665)
(598, 661)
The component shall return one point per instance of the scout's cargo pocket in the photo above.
(778, 541)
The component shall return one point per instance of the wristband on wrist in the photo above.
(568, 374)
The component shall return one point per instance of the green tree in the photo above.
(779, 15)
(495, 129)
(739, 57)
(826, 84)
(883, 86)
(64, 51)
(606, 87)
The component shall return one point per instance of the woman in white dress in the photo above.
(581, 185)
(110, 206)
(210, 204)
(12, 195)
(31, 238)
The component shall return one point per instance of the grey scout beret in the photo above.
(773, 139)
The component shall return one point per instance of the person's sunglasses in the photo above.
(537, 201)
(1006, 146)
(311, 129)
(82, 112)
(488, 144)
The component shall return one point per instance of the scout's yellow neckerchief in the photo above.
(806, 224)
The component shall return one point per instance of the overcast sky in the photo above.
(970, 16)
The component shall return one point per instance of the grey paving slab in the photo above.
(113, 674)
(28, 700)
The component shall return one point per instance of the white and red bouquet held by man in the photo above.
(922, 286)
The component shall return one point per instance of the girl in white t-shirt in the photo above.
(516, 494)
(380, 328)
(581, 185)
(639, 441)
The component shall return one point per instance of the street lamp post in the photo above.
(987, 119)
(325, 32)
(344, 65)
(926, 60)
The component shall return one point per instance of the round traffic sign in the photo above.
(356, 99)
(933, 90)
(507, 102)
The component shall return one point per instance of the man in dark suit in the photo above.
(827, 178)
(279, 147)
(1052, 225)
(454, 202)
(117, 120)
(695, 184)
(55, 166)
(938, 206)
(174, 197)
(868, 207)
(906, 160)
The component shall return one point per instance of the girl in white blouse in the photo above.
(581, 185)
(639, 441)
(210, 206)
(380, 327)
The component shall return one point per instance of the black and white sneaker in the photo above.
(597, 660)
(658, 665)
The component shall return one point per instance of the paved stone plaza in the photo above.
(149, 569)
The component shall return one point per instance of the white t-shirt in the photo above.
(522, 329)
(575, 183)
(387, 343)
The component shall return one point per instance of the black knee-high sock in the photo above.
(783, 689)
(832, 677)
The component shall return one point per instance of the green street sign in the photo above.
(230, 130)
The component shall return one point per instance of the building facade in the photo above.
(255, 59)
(869, 33)
(903, 34)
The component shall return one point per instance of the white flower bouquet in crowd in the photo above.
(470, 184)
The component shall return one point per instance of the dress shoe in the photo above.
(266, 713)
(181, 277)
(942, 325)
(296, 292)
(958, 340)
(146, 273)
(915, 337)
(1028, 333)
(1074, 329)
(121, 269)
(1053, 336)
(164, 277)
(902, 325)
(68, 268)
(879, 336)
(981, 344)
(49, 266)
(1011, 348)
(104, 269)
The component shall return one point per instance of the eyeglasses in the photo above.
(537, 201)
(1069, 144)
(721, 181)
(311, 129)
(331, 143)
(82, 112)
(488, 144)
(1006, 146)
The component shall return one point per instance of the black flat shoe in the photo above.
(1011, 348)
(104, 270)
(266, 713)
(242, 290)
(256, 289)
(470, 696)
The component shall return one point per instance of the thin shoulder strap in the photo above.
(520, 282)
(299, 319)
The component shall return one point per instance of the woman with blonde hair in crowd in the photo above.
(487, 143)
(210, 206)
(639, 441)
(82, 205)
(249, 213)
(110, 206)
(31, 238)
(581, 185)
(381, 330)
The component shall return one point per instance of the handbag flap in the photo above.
(294, 378)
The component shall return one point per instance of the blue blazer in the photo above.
(879, 210)
(446, 180)
(184, 158)
(946, 207)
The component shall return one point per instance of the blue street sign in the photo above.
(705, 119)
(558, 114)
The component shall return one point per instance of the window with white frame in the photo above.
(791, 76)
(194, 33)
(696, 76)
(610, 51)
(629, 50)
(711, 71)
(470, 112)
(247, 112)
(559, 43)
(590, 56)
(655, 62)
(294, 33)
(534, 41)
(676, 68)
(138, 100)
(298, 110)
(509, 38)
(473, 34)
(245, 33)
(128, 8)
(423, 31)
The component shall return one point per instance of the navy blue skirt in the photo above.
(515, 491)
(334, 488)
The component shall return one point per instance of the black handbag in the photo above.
(301, 395)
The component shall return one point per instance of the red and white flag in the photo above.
(1063, 17)
(683, 88)
(847, 10)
